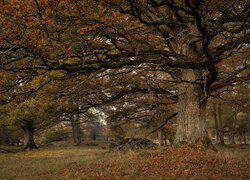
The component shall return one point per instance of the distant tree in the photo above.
(30, 116)
(243, 127)
(116, 131)
(5, 135)
(218, 124)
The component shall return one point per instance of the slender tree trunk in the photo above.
(76, 129)
(29, 142)
(218, 124)
(160, 137)
(245, 138)
(160, 131)
(232, 138)
(191, 127)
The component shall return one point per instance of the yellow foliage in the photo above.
(38, 112)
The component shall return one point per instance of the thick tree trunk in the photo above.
(191, 127)
(76, 129)
(29, 142)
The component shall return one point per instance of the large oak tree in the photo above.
(190, 40)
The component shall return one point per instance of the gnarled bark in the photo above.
(191, 127)
(29, 142)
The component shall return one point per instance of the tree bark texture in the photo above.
(76, 129)
(29, 142)
(218, 124)
(232, 135)
(191, 127)
(160, 137)
(161, 120)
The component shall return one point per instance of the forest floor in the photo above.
(94, 161)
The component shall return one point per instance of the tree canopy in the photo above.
(200, 46)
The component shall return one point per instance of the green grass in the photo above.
(96, 163)
(27, 165)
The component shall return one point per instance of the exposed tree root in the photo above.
(6, 150)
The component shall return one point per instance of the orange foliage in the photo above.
(173, 163)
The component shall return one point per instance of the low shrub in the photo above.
(58, 135)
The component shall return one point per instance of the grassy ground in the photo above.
(88, 162)
(32, 164)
